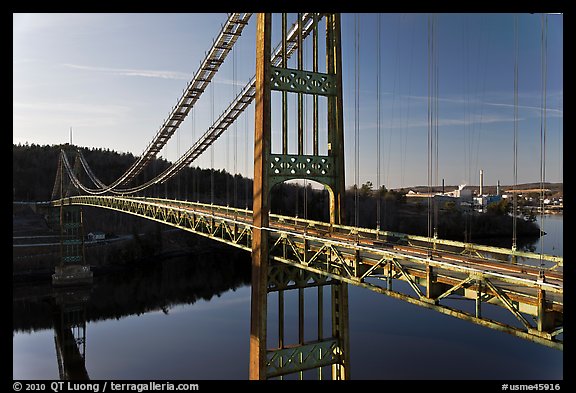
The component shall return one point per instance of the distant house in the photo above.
(459, 196)
(97, 235)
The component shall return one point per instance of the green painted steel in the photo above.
(302, 357)
(285, 167)
(300, 81)
(339, 252)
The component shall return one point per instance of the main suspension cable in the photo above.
(242, 101)
(226, 39)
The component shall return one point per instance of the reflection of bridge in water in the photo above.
(296, 254)
(133, 290)
(70, 332)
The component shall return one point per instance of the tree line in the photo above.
(34, 173)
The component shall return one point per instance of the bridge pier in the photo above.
(547, 319)
(72, 275)
(433, 288)
(72, 269)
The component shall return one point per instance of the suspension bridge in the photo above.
(293, 253)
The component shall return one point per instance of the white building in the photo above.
(462, 193)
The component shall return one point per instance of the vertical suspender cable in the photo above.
(235, 169)
(404, 147)
(298, 146)
(212, 146)
(193, 194)
(315, 99)
(515, 147)
(305, 139)
(156, 186)
(246, 183)
(395, 89)
(178, 194)
(544, 55)
(165, 148)
(378, 65)
(284, 93)
(300, 95)
(432, 124)
(298, 106)
(186, 176)
(226, 172)
(466, 99)
(356, 120)
(429, 126)
(436, 110)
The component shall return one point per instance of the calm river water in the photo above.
(188, 318)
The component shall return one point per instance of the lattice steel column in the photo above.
(70, 332)
(295, 358)
(72, 269)
(271, 168)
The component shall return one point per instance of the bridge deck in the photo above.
(435, 270)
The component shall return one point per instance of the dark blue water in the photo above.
(207, 336)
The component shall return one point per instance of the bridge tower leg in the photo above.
(70, 331)
(274, 168)
(261, 200)
(72, 269)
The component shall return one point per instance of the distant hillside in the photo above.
(34, 172)
(555, 188)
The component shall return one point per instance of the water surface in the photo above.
(189, 318)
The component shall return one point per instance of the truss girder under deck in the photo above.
(433, 282)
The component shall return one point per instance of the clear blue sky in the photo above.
(114, 78)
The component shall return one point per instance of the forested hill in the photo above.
(34, 168)
(34, 172)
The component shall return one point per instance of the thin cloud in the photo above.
(442, 122)
(162, 74)
(229, 82)
(474, 101)
(550, 110)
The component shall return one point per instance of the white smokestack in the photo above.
(481, 182)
